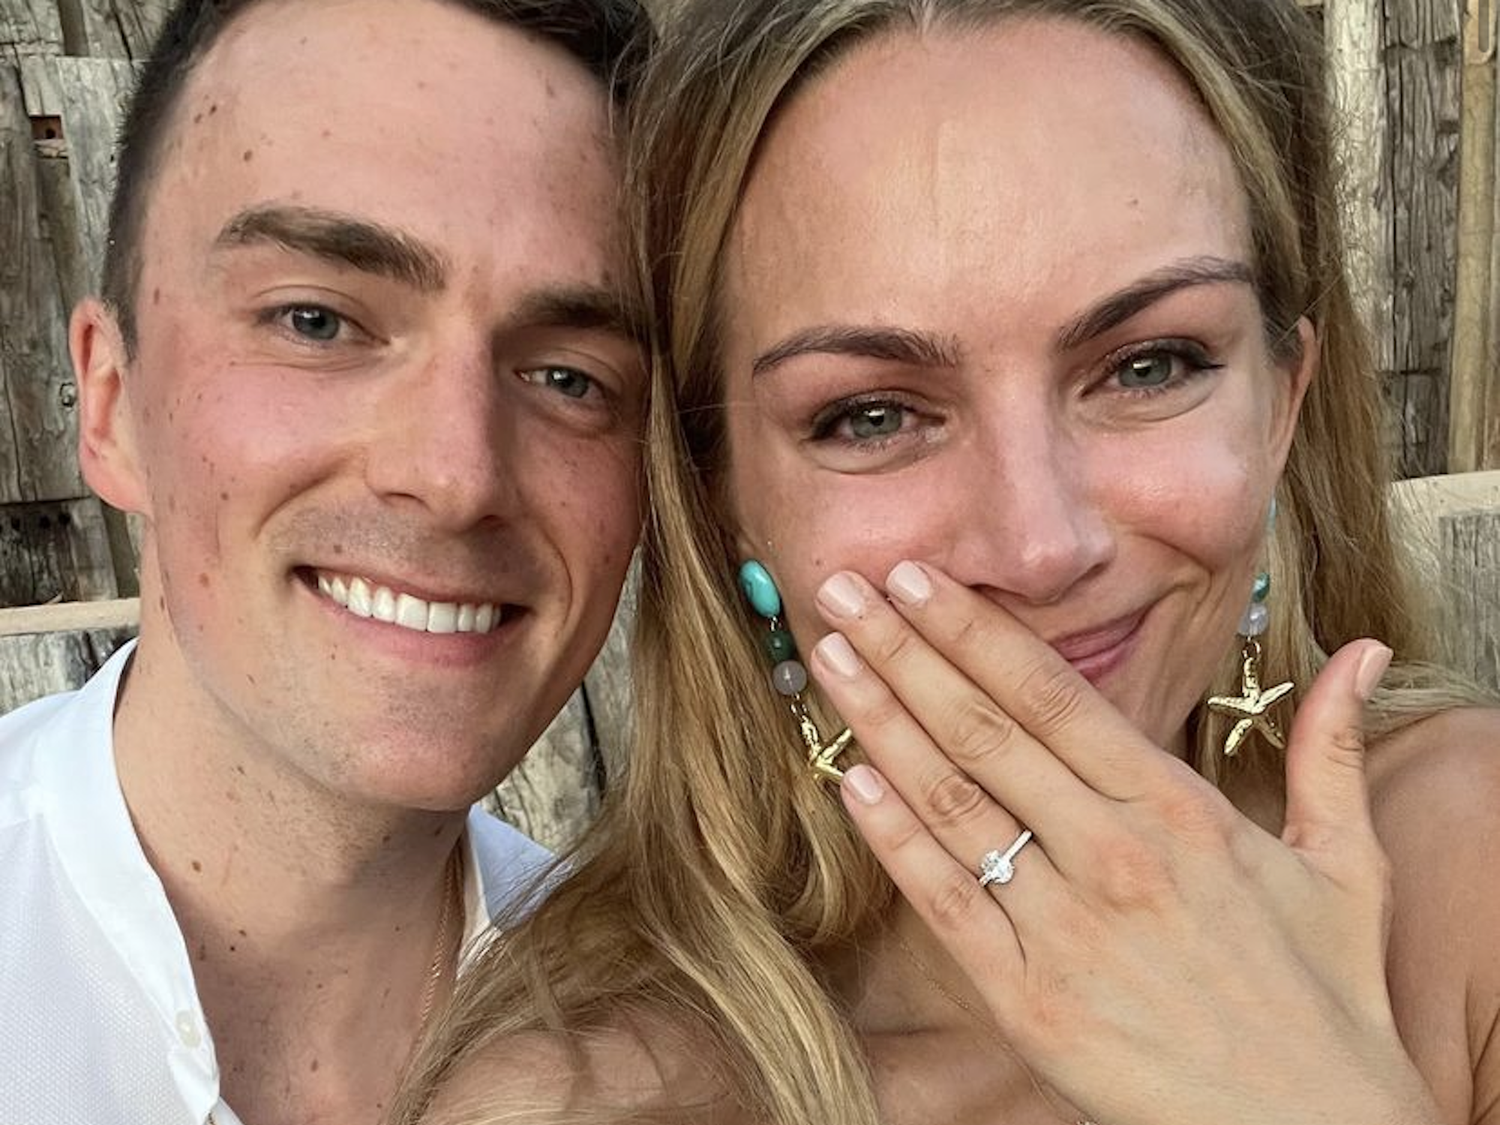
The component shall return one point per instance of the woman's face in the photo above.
(988, 306)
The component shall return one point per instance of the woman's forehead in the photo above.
(1018, 157)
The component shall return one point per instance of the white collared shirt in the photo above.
(99, 1016)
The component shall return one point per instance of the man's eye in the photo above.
(313, 322)
(876, 419)
(565, 380)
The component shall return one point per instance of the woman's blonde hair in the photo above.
(719, 871)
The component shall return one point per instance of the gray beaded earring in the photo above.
(789, 676)
(1251, 709)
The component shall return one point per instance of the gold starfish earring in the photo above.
(789, 676)
(1251, 709)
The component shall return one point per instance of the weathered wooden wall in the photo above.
(1415, 82)
(1415, 78)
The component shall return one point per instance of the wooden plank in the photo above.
(68, 617)
(554, 793)
(1429, 499)
(29, 28)
(55, 551)
(1470, 549)
(1422, 51)
(38, 400)
(1354, 32)
(94, 93)
(39, 89)
(1448, 523)
(1476, 351)
(121, 29)
(34, 666)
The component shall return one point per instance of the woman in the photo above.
(1011, 339)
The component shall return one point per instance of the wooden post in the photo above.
(1354, 31)
(1422, 83)
(1474, 425)
(38, 424)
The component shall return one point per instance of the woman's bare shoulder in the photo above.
(636, 1070)
(1435, 798)
(1452, 756)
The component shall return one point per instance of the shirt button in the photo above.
(187, 1029)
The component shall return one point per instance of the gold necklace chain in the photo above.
(973, 1013)
(452, 892)
(946, 993)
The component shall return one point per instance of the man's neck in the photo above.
(311, 922)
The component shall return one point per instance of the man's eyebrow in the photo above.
(1119, 307)
(344, 240)
(579, 306)
(901, 345)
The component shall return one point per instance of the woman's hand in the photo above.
(1158, 958)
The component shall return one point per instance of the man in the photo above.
(364, 367)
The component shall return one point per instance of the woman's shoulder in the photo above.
(1449, 761)
(1435, 795)
(1435, 799)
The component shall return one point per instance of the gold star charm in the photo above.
(821, 755)
(1251, 707)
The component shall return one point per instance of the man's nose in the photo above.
(440, 444)
(1031, 524)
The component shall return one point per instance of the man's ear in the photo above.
(1300, 369)
(107, 448)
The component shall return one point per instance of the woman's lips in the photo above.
(1098, 652)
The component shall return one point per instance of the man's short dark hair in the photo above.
(610, 38)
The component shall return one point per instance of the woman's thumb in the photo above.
(1326, 795)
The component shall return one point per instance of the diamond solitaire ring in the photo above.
(1000, 867)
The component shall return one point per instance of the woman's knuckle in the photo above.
(1052, 696)
(954, 798)
(1133, 874)
(897, 646)
(882, 709)
(955, 901)
(1346, 747)
(1192, 815)
(980, 732)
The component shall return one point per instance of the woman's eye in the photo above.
(1161, 367)
(876, 420)
(313, 322)
(564, 380)
(1143, 372)
(870, 422)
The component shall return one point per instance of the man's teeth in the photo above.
(365, 599)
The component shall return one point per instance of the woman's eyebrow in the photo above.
(901, 345)
(1125, 303)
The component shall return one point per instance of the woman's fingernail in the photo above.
(907, 582)
(1372, 665)
(841, 596)
(866, 785)
(835, 651)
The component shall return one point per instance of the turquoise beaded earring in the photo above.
(1251, 709)
(788, 675)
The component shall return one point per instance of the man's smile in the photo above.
(364, 597)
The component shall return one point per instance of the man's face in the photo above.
(380, 374)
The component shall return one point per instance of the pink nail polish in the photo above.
(841, 596)
(836, 652)
(867, 786)
(908, 583)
